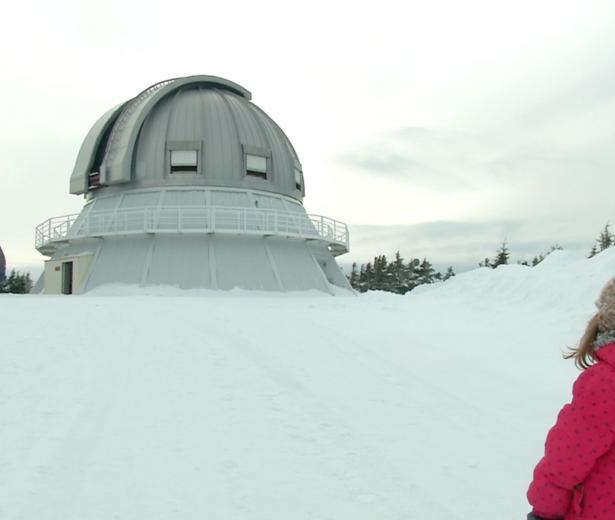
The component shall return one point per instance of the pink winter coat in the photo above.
(575, 479)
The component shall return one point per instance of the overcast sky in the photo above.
(438, 128)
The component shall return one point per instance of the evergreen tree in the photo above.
(485, 263)
(380, 271)
(369, 276)
(541, 256)
(412, 273)
(537, 259)
(397, 274)
(606, 238)
(449, 273)
(502, 256)
(17, 283)
(362, 279)
(354, 277)
(425, 273)
(396, 277)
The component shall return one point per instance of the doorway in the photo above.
(67, 278)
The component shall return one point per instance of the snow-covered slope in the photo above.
(249, 406)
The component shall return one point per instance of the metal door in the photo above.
(67, 278)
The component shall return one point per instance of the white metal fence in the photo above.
(193, 219)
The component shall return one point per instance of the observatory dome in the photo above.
(198, 131)
(190, 184)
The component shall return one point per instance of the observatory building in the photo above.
(190, 184)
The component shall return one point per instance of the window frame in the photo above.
(298, 172)
(181, 146)
(256, 151)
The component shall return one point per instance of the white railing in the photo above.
(193, 219)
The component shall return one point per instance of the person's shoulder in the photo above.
(597, 378)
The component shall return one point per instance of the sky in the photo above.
(439, 129)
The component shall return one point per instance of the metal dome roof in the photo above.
(131, 145)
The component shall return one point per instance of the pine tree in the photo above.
(397, 276)
(17, 283)
(353, 279)
(380, 271)
(485, 263)
(396, 269)
(425, 273)
(540, 256)
(362, 279)
(606, 238)
(449, 273)
(502, 256)
(369, 277)
(537, 259)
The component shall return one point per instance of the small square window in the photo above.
(256, 165)
(298, 179)
(184, 161)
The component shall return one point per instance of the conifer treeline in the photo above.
(397, 276)
(400, 277)
(17, 283)
(605, 240)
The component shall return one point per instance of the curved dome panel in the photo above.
(229, 140)
(93, 142)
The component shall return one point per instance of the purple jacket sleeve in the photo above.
(582, 434)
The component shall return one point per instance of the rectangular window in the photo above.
(256, 165)
(184, 161)
(298, 179)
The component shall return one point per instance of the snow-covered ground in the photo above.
(172, 405)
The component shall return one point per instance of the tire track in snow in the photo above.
(412, 386)
(348, 434)
(68, 459)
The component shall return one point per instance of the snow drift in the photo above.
(222, 406)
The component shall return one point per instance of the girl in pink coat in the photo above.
(575, 480)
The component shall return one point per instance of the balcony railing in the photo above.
(195, 220)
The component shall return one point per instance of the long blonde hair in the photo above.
(584, 354)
